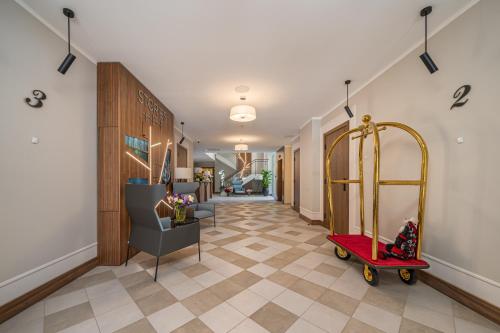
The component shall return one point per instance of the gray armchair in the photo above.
(149, 232)
(200, 210)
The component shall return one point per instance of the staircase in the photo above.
(247, 177)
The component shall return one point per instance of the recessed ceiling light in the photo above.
(242, 89)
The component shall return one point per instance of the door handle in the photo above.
(345, 185)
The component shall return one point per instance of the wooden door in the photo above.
(339, 169)
(279, 181)
(296, 180)
(181, 157)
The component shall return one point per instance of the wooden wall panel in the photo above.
(125, 107)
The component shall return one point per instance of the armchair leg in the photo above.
(156, 271)
(214, 221)
(199, 251)
(128, 251)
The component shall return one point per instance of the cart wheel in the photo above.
(408, 276)
(371, 275)
(341, 253)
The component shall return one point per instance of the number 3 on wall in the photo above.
(460, 94)
(38, 97)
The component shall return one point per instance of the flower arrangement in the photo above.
(180, 203)
(228, 190)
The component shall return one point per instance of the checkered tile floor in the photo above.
(262, 270)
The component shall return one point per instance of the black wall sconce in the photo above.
(426, 58)
(182, 133)
(347, 108)
(66, 64)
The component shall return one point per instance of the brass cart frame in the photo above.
(369, 127)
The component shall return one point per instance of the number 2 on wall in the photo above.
(460, 94)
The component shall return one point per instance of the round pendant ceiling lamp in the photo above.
(241, 147)
(243, 112)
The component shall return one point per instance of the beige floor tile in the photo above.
(308, 289)
(249, 326)
(302, 326)
(68, 317)
(201, 302)
(274, 318)
(155, 302)
(144, 288)
(326, 318)
(142, 326)
(209, 278)
(87, 326)
(293, 302)
(244, 262)
(410, 326)
(134, 278)
(118, 318)
(377, 317)
(257, 246)
(226, 289)
(462, 312)
(283, 278)
(245, 279)
(262, 270)
(185, 289)
(222, 318)
(428, 317)
(58, 303)
(195, 270)
(194, 326)
(329, 270)
(247, 302)
(110, 301)
(267, 289)
(463, 326)
(356, 326)
(170, 318)
(339, 302)
(392, 302)
(85, 282)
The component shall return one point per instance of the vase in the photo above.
(180, 214)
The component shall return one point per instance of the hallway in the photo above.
(262, 270)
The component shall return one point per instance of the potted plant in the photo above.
(266, 180)
(228, 190)
(180, 202)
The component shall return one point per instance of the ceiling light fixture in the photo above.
(241, 146)
(347, 108)
(66, 64)
(242, 112)
(426, 58)
(182, 133)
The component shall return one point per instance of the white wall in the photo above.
(462, 220)
(48, 196)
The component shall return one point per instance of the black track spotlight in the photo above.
(347, 108)
(182, 133)
(68, 60)
(426, 58)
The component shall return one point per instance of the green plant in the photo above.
(266, 178)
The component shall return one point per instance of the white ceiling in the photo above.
(293, 54)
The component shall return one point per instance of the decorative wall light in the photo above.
(243, 112)
(66, 64)
(426, 58)
(347, 108)
(182, 133)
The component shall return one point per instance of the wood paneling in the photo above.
(123, 111)
(482, 307)
(339, 170)
(182, 157)
(17, 305)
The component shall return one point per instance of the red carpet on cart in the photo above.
(361, 246)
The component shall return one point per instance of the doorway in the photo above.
(181, 156)
(296, 180)
(339, 169)
(279, 181)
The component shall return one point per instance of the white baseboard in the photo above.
(315, 216)
(27, 281)
(475, 284)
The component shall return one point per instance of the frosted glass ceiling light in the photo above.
(242, 112)
(241, 147)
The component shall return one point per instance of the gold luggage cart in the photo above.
(366, 248)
